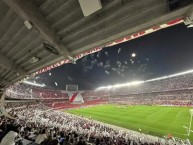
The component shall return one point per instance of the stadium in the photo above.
(79, 72)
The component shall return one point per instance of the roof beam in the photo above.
(10, 65)
(28, 11)
(189, 17)
(11, 68)
(123, 28)
(8, 83)
(3, 81)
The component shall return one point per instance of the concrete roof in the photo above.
(61, 24)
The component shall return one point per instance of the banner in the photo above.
(75, 97)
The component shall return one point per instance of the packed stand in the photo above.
(177, 98)
(184, 82)
(58, 128)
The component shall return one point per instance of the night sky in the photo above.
(161, 53)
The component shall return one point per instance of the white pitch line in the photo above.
(155, 113)
(118, 127)
(178, 114)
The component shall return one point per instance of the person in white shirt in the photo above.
(10, 137)
(41, 137)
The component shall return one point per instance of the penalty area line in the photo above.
(178, 114)
(154, 113)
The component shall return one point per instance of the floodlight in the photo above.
(33, 84)
(136, 83)
(34, 59)
(151, 80)
(181, 73)
(28, 24)
(121, 85)
(109, 87)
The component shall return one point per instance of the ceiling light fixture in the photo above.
(34, 84)
(50, 48)
(34, 59)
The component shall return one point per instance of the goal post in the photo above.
(72, 88)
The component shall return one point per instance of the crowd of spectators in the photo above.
(177, 98)
(35, 119)
(184, 82)
(48, 127)
(168, 91)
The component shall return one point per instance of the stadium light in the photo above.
(156, 79)
(136, 83)
(170, 76)
(181, 73)
(34, 84)
(140, 82)
(121, 85)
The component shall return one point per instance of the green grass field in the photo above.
(154, 120)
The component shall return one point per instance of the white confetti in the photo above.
(114, 69)
(107, 72)
(37, 78)
(101, 64)
(69, 78)
(98, 55)
(118, 62)
(107, 66)
(106, 53)
(119, 50)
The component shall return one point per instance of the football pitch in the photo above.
(154, 120)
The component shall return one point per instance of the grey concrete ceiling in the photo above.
(61, 24)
